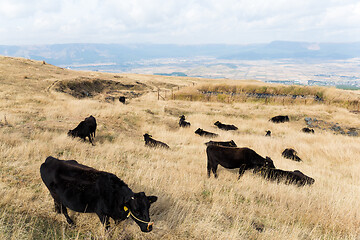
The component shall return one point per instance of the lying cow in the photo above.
(224, 144)
(122, 99)
(86, 128)
(307, 130)
(229, 157)
(203, 133)
(290, 177)
(150, 142)
(290, 153)
(183, 123)
(225, 127)
(85, 189)
(279, 119)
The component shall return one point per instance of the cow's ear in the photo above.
(152, 199)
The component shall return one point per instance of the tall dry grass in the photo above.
(190, 205)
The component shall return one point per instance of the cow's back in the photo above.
(230, 157)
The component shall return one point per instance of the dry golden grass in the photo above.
(190, 206)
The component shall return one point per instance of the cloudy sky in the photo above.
(178, 21)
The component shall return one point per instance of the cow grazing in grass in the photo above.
(203, 133)
(268, 133)
(229, 157)
(87, 190)
(307, 130)
(289, 177)
(224, 144)
(150, 142)
(86, 128)
(279, 119)
(122, 99)
(225, 127)
(183, 123)
(290, 153)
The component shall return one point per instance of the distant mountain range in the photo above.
(119, 54)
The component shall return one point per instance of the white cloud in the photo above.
(172, 21)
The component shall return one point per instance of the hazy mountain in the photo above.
(72, 54)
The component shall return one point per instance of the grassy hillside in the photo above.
(38, 106)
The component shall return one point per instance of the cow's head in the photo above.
(182, 117)
(72, 133)
(138, 207)
(147, 137)
(217, 123)
(269, 163)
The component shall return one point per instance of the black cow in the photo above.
(290, 177)
(279, 119)
(268, 133)
(224, 144)
(225, 127)
(86, 128)
(183, 123)
(122, 99)
(85, 189)
(307, 130)
(150, 142)
(229, 157)
(290, 153)
(203, 133)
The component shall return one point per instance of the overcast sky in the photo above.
(178, 21)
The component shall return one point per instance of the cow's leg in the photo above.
(214, 169)
(104, 220)
(64, 211)
(208, 169)
(241, 170)
(89, 136)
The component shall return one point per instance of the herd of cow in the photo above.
(85, 189)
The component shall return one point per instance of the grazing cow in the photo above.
(225, 127)
(268, 133)
(279, 119)
(122, 99)
(307, 130)
(229, 157)
(203, 133)
(87, 190)
(224, 144)
(290, 177)
(86, 128)
(153, 143)
(183, 123)
(290, 153)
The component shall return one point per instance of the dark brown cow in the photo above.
(150, 142)
(225, 127)
(183, 123)
(229, 157)
(86, 128)
(279, 119)
(290, 153)
(289, 177)
(87, 190)
(307, 130)
(203, 133)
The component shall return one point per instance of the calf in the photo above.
(203, 133)
(86, 128)
(153, 143)
(87, 190)
(225, 127)
(307, 130)
(183, 123)
(224, 144)
(290, 153)
(290, 177)
(229, 157)
(279, 119)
